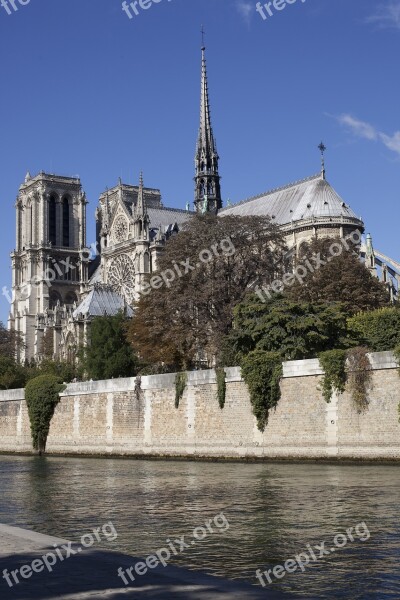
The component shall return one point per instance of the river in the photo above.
(273, 510)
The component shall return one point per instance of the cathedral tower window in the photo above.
(65, 212)
(52, 221)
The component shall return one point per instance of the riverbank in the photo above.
(139, 419)
(90, 573)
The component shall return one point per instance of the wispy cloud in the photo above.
(386, 15)
(245, 9)
(367, 131)
(359, 128)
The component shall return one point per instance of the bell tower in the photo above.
(50, 262)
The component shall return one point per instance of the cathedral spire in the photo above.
(141, 203)
(208, 189)
(142, 219)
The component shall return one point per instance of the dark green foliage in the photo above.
(221, 386)
(65, 371)
(12, 375)
(333, 363)
(262, 372)
(10, 342)
(379, 330)
(42, 396)
(341, 278)
(109, 354)
(297, 330)
(359, 376)
(180, 385)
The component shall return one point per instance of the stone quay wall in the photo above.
(112, 418)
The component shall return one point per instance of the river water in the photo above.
(273, 510)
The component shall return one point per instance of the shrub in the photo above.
(262, 372)
(379, 330)
(42, 396)
(333, 363)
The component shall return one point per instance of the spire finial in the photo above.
(141, 179)
(322, 149)
(203, 35)
(207, 177)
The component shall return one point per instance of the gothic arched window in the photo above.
(65, 210)
(54, 298)
(70, 298)
(52, 221)
(146, 262)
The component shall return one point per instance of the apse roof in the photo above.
(311, 197)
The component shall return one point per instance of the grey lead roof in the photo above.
(168, 216)
(311, 197)
(102, 301)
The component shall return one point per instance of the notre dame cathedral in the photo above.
(59, 285)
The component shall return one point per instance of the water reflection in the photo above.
(274, 511)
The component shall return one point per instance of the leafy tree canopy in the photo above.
(342, 278)
(379, 330)
(109, 354)
(189, 316)
(296, 330)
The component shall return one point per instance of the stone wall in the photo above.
(111, 417)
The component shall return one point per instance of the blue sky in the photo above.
(87, 91)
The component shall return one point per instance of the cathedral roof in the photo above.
(168, 216)
(102, 301)
(311, 198)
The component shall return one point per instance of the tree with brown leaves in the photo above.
(186, 309)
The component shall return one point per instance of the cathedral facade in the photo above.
(59, 286)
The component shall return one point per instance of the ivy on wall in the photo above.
(262, 372)
(359, 376)
(221, 386)
(349, 369)
(180, 385)
(333, 363)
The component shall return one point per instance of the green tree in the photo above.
(42, 396)
(108, 353)
(64, 370)
(342, 278)
(9, 342)
(12, 375)
(379, 330)
(296, 330)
